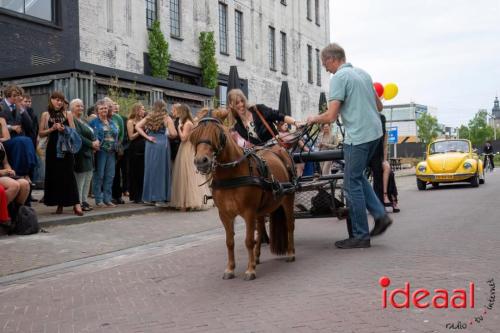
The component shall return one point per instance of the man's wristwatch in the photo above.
(9, 127)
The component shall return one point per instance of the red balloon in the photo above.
(379, 88)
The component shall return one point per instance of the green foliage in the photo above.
(208, 62)
(479, 129)
(463, 132)
(159, 58)
(125, 99)
(428, 128)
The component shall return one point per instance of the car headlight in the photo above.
(467, 165)
(421, 168)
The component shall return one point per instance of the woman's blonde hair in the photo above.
(135, 109)
(155, 120)
(183, 112)
(233, 97)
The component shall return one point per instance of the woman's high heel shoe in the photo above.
(77, 212)
(59, 210)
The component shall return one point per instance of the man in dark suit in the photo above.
(29, 120)
(13, 118)
(20, 148)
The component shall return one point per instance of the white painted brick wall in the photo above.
(118, 50)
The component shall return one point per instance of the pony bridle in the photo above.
(215, 150)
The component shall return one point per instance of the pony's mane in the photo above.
(210, 130)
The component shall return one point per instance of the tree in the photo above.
(125, 99)
(428, 128)
(208, 62)
(159, 58)
(463, 132)
(479, 129)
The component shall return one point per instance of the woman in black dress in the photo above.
(60, 184)
(136, 154)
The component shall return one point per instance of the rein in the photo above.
(275, 136)
(261, 181)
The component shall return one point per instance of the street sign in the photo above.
(392, 135)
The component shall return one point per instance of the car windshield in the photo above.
(449, 146)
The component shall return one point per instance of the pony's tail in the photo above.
(278, 232)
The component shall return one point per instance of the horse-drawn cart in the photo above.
(320, 196)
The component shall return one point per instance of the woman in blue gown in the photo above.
(156, 128)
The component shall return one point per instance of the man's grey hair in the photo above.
(334, 51)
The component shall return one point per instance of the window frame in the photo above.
(310, 78)
(223, 29)
(309, 10)
(178, 19)
(54, 22)
(318, 68)
(272, 48)
(149, 22)
(284, 53)
(238, 34)
(316, 14)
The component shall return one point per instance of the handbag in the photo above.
(41, 146)
(120, 149)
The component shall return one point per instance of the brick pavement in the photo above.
(441, 239)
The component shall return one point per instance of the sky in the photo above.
(441, 53)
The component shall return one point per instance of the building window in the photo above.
(109, 9)
(128, 17)
(308, 4)
(223, 28)
(316, 8)
(42, 9)
(272, 49)
(175, 18)
(309, 64)
(151, 15)
(284, 62)
(283, 2)
(318, 69)
(238, 23)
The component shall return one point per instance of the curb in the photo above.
(50, 221)
(406, 175)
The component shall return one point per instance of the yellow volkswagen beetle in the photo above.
(450, 161)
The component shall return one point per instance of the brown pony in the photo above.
(248, 184)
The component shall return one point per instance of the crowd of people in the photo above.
(145, 157)
(148, 158)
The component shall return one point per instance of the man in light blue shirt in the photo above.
(353, 97)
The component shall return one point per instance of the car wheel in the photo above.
(474, 181)
(435, 185)
(482, 179)
(421, 185)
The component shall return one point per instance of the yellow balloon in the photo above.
(390, 91)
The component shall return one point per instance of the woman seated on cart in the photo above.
(248, 126)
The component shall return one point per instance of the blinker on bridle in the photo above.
(222, 136)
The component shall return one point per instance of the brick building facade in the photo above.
(82, 45)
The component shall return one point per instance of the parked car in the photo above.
(450, 161)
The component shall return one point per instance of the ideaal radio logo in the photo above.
(439, 299)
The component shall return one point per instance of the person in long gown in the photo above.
(60, 187)
(155, 128)
(186, 190)
(136, 154)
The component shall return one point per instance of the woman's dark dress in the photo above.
(136, 168)
(60, 184)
